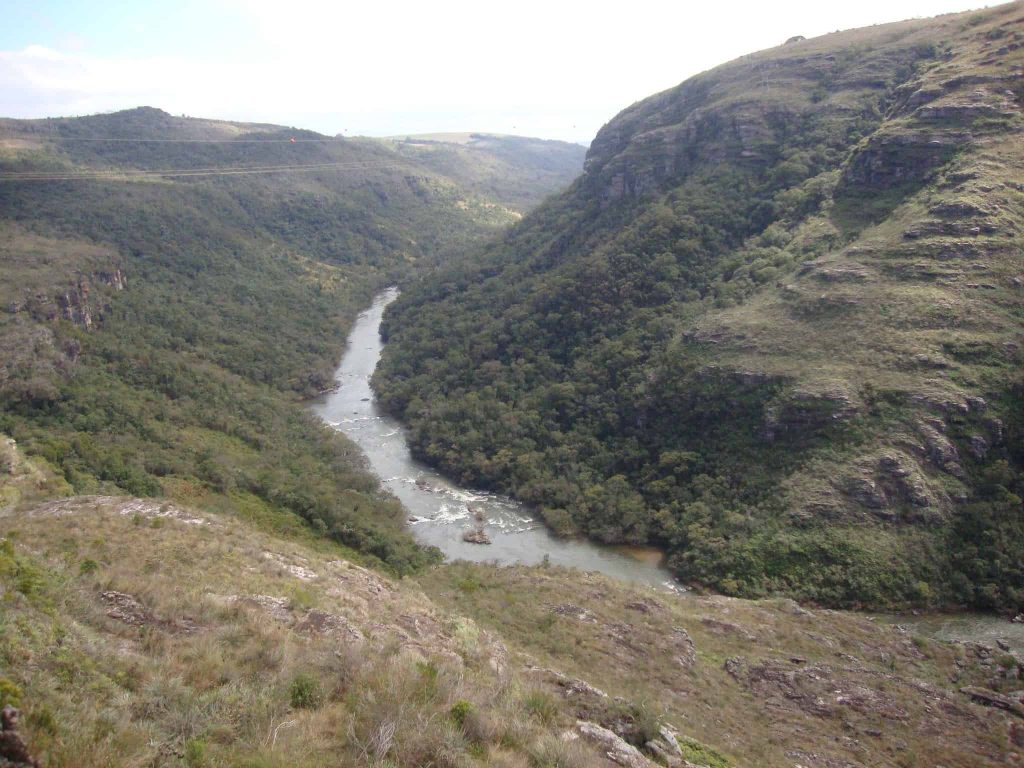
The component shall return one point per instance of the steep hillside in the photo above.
(171, 287)
(775, 327)
(136, 632)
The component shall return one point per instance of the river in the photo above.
(439, 509)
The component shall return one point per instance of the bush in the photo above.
(195, 753)
(306, 692)
(542, 706)
(10, 693)
(459, 711)
(701, 754)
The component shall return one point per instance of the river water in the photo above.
(440, 510)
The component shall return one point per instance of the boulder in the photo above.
(867, 493)
(665, 746)
(476, 536)
(615, 748)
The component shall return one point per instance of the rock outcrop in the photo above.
(615, 748)
(14, 753)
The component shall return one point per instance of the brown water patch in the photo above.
(648, 555)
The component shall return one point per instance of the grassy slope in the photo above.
(775, 327)
(136, 632)
(159, 331)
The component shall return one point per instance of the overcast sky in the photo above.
(550, 69)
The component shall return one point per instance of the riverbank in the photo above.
(439, 510)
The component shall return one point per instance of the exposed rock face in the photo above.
(825, 691)
(617, 749)
(805, 412)
(979, 446)
(720, 627)
(904, 481)
(686, 652)
(572, 687)
(317, 622)
(127, 609)
(573, 611)
(940, 450)
(13, 750)
(665, 747)
(994, 699)
(867, 493)
(894, 160)
(77, 304)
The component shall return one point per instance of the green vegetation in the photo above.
(162, 329)
(774, 328)
(305, 692)
(516, 171)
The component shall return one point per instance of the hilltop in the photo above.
(774, 328)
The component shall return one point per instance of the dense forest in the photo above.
(161, 329)
(775, 327)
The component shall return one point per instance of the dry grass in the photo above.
(149, 634)
(238, 648)
(828, 683)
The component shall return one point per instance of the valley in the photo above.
(701, 447)
(439, 511)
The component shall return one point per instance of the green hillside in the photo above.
(515, 170)
(775, 327)
(173, 286)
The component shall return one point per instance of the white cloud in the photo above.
(530, 67)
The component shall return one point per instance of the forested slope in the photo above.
(172, 286)
(775, 327)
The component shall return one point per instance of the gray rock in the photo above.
(617, 749)
(979, 446)
(940, 450)
(666, 747)
(867, 493)
(686, 651)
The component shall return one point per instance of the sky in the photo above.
(553, 69)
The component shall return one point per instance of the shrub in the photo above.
(701, 754)
(552, 752)
(195, 753)
(301, 599)
(306, 692)
(10, 693)
(42, 719)
(459, 711)
(541, 705)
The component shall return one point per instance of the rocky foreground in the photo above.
(140, 632)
